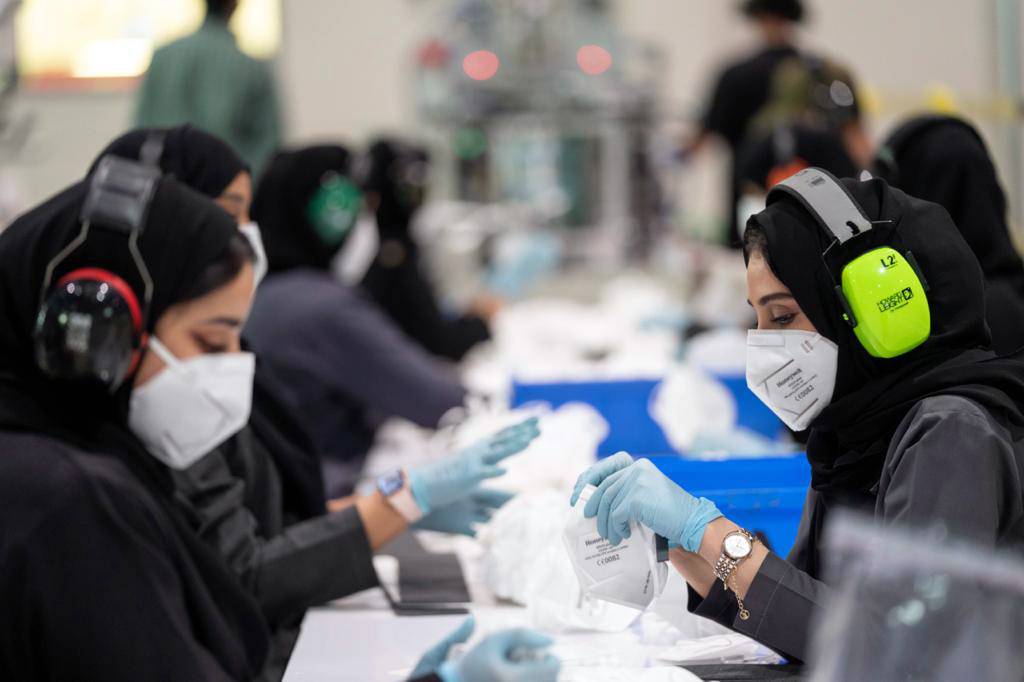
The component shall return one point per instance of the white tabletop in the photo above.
(360, 638)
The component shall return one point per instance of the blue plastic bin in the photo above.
(761, 494)
(624, 405)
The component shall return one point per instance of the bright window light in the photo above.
(116, 38)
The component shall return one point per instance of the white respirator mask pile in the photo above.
(793, 373)
(192, 405)
(628, 574)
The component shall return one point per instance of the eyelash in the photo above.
(208, 347)
(784, 319)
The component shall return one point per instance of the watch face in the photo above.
(736, 545)
(390, 484)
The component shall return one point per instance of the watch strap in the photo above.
(725, 569)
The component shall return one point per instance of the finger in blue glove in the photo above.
(440, 483)
(598, 472)
(510, 656)
(436, 655)
(642, 494)
(461, 517)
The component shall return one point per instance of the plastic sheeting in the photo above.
(912, 605)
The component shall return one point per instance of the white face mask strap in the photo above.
(251, 231)
(162, 352)
(827, 200)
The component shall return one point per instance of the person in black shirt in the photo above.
(743, 88)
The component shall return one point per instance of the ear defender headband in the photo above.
(334, 208)
(882, 293)
(90, 326)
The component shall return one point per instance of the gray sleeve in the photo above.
(944, 465)
(950, 466)
(367, 356)
(309, 563)
(313, 562)
(781, 599)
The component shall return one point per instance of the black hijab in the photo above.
(184, 234)
(198, 159)
(208, 165)
(282, 200)
(849, 440)
(944, 159)
(397, 175)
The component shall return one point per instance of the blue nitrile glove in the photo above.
(508, 656)
(460, 516)
(629, 490)
(440, 483)
(432, 660)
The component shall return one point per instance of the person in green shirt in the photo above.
(204, 79)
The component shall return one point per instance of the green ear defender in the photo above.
(334, 208)
(883, 294)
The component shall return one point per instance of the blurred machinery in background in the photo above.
(544, 104)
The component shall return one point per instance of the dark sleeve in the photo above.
(367, 356)
(722, 115)
(952, 465)
(101, 598)
(413, 302)
(309, 563)
(944, 465)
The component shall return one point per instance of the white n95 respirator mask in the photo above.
(252, 232)
(628, 574)
(192, 405)
(793, 373)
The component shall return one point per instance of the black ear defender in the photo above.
(91, 325)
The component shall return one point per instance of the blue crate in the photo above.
(623, 404)
(760, 494)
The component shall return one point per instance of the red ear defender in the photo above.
(90, 323)
(89, 328)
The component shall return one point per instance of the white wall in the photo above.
(345, 67)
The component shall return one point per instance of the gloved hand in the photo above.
(629, 490)
(440, 483)
(432, 660)
(460, 516)
(508, 656)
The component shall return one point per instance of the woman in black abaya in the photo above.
(101, 577)
(935, 435)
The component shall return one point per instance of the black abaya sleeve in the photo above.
(96, 590)
(949, 462)
(287, 569)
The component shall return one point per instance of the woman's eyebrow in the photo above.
(771, 298)
(232, 322)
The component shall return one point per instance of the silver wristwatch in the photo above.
(736, 547)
